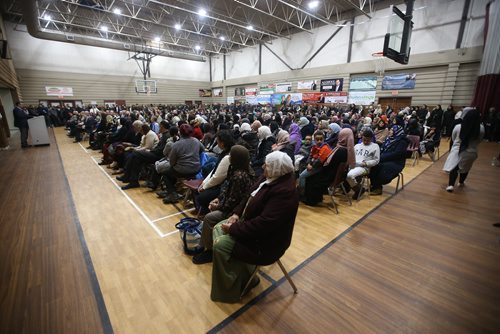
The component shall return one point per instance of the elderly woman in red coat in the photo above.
(259, 231)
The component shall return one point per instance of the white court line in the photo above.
(172, 215)
(149, 221)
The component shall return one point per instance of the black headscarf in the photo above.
(471, 125)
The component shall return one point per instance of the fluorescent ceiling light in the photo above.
(117, 11)
(202, 12)
(313, 4)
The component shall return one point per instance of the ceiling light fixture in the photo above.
(47, 17)
(197, 47)
(117, 11)
(249, 27)
(177, 26)
(222, 38)
(157, 39)
(313, 4)
(202, 12)
(104, 28)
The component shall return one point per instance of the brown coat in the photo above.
(265, 232)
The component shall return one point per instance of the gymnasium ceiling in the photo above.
(180, 28)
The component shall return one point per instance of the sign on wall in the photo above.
(399, 81)
(287, 99)
(267, 89)
(307, 85)
(331, 85)
(58, 91)
(251, 99)
(336, 97)
(363, 83)
(217, 92)
(205, 92)
(362, 97)
(239, 91)
(283, 87)
(250, 91)
(264, 99)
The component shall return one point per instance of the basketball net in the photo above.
(380, 62)
(148, 90)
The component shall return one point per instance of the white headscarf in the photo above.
(277, 165)
(245, 127)
(264, 132)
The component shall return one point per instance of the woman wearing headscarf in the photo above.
(333, 134)
(184, 161)
(283, 144)
(306, 127)
(257, 233)
(295, 137)
(381, 132)
(317, 184)
(392, 159)
(266, 141)
(235, 189)
(466, 138)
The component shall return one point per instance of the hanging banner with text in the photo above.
(399, 81)
(59, 91)
(363, 83)
(205, 92)
(327, 97)
(287, 99)
(332, 85)
(250, 91)
(283, 87)
(307, 85)
(267, 89)
(251, 99)
(217, 92)
(362, 97)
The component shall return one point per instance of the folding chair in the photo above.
(191, 189)
(414, 147)
(287, 276)
(339, 182)
(402, 178)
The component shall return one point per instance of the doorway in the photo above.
(396, 103)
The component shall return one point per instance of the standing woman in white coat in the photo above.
(466, 138)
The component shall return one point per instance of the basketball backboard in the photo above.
(398, 36)
(145, 86)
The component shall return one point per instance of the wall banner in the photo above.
(332, 85)
(264, 99)
(217, 92)
(336, 97)
(58, 91)
(251, 99)
(205, 92)
(362, 97)
(267, 89)
(363, 83)
(250, 91)
(283, 87)
(307, 85)
(287, 99)
(399, 81)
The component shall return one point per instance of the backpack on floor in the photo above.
(190, 234)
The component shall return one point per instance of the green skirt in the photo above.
(229, 276)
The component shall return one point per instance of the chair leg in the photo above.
(249, 281)
(331, 192)
(287, 276)
(402, 180)
(397, 182)
(345, 194)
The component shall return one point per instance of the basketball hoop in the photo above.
(148, 90)
(380, 62)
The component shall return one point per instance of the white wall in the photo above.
(66, 57)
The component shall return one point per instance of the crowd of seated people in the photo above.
(244, 153)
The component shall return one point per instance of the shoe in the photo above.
(253, 284)
(376, 191)
(202, 258)
(161, 194)
(122, 179)
(358, 194)
(151, 185)
(131, 185)
(172, 198)
(102, 163)
(449, 189)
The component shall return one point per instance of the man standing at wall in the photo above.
(21, 121)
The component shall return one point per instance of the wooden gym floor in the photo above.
(79, 255)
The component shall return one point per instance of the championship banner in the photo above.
(331, 85)
(287, 99)
(363, 83)
(362, 98)
(205, 92)
(399, 81)
(336, 97)
(217, 92)
(306, 85)
(250, 91)
(283, 87)
(267, 89)
(59, 91)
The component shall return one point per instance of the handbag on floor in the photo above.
(190, 234)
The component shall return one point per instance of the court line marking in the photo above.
(172, 215)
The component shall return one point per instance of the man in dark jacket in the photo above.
(21, 121)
